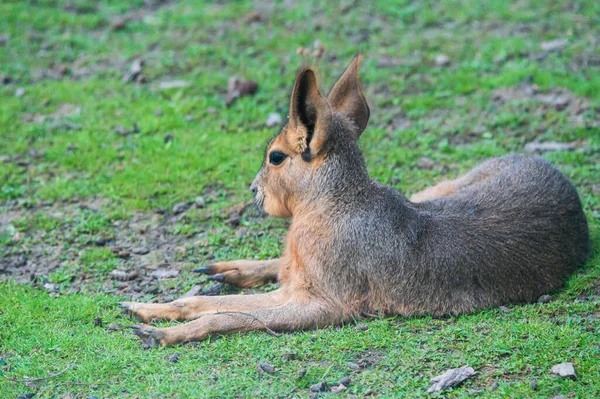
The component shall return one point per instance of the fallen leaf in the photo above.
(252, 16)
(237, 88)
(266, 368)
(135, 72)
(165, 273)
(120, 23)
(451, 378)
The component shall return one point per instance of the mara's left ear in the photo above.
(347, 96)
(310, 116)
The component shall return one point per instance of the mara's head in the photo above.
(316, 152)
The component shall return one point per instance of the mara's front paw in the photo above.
(151, 337)
(136, 310)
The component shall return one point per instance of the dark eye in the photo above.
(276, 158)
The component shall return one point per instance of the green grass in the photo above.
(69, 180)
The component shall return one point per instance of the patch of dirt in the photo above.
(148, 251)
(367, 359)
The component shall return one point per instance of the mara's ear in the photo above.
(347, 96)
(310, 116)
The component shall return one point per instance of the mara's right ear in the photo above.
(347, 96)
(310, 115)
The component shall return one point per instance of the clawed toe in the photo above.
(125, 306)
(129, 309)
(220, 277)
(204, 269)
(150, 336)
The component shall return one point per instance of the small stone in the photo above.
(151, 289)
(425, 163)
(554, 45)
(354, 366)
(504, 309)
(442, 60)
(174, 358)
(140, 251)
(266, 368)
(180, 208)
(274, 119)
(158, 112)
(189, 117)
(534, 385)
(122, 130)
(319, 387)
(345, 381)
(121, 275)
(52, 288)
(164, 273)
(338, 388)
(361, 327)
(169, 137)
(289, 356)
(18, 236)
(544, 299)
(102, 241)
(200, 203)
(26, 396)
(114, 327)
(20, 92)
(97, 322)
(559, 397)
(234, 220)
(493, 386)
(564, 370)
(301, 373)
(194, 291)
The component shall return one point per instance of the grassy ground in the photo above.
(81, 197)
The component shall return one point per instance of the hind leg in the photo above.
(442, 189)
(477, 175)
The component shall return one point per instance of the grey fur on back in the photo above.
(514, 231)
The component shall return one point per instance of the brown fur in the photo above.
(509, 231)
